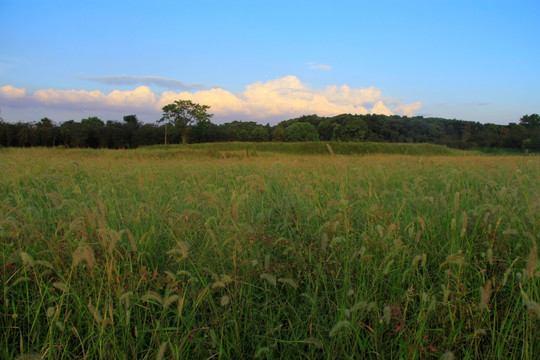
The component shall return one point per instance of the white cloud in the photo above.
(140, 98)
(345, 95)
(322, 67)
(380, 108)
(80, 98)
(407, 109)
(269, 101)
(222, 102)
(281, 98)
(11, 93)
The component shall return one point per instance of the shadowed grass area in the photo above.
(321, 148)
(194, 253)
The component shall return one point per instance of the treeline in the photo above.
(453, 133)
(131, 133)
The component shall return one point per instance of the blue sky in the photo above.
(268, 61)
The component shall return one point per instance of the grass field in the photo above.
(236, 253)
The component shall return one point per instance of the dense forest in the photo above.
(131, 133)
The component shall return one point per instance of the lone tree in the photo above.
(183, 114)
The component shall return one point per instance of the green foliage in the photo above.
(354, 130)
(301, 131)
(183, 114)
(532, 124)
(278, 134)
(259, 134)
(530, 121)
(132, 121)
(93, 121)
(326, 129)
(93, 132)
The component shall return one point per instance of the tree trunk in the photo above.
(184, 136)
(165, 133)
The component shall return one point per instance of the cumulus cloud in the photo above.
(281, 98)
(269, 101)
(345, 95)
(171, 84)
(140, 98)
(11, 93)
(380, 108)
(407, 109)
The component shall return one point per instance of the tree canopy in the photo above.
(183, 114)
(530, 121)
(186, 118)
(301, 131)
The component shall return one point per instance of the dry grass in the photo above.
(134, 254)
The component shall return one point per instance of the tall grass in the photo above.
(304, 148)
(250, 254)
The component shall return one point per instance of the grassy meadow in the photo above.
(232, 252)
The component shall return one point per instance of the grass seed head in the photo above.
(152, 295)
(124, 298)
(463, 224)
(225, 300)
(339, 326)
(60, 326)
(60, 286)
(83, 252)
(169, 300)
(20, 280)
(182, 248)
(318, 343)
(170, 276)
(446, 294)
(218, 285)
(386, 314)
(532, 263)
(324, 242)
(361, 305)
(184, 273)
(448, 356)
(490, 256)
(289, 282)
(534, 308)
(270, 278)
(457, 259)
(531, 306)
(419, 260)
(372, 306)
(95, 313)
(51, 311)
(27, 259)
(485, 295)
(161, 351)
